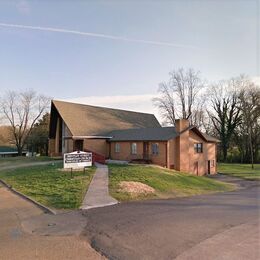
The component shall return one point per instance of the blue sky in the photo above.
(219, 38)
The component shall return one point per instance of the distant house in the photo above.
(132, 136)
(7, 151)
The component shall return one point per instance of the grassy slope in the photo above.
(50, 186)
(167, 183)
(6, 161)
(240, 170)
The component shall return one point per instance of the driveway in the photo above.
(18, 242)
(217, 226)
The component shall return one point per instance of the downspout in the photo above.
(109, 152)
(166, 152)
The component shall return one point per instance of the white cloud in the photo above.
(23, 7)
(96, 35)
(138, 103)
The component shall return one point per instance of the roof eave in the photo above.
(74, 137)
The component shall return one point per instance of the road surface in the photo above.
(18, 217)
(216, 226)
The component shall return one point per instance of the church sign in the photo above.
(77, 160)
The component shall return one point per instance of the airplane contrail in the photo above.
(97, 35)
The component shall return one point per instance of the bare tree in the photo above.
(199, 116)
(166, 103)
(22, 110)
(250, 107)
(178, 97)
(225, 111)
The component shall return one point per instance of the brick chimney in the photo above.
(181, 124)
(182, 145)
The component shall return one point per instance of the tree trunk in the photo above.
(19, 150)
(251, 150)
(224, 149)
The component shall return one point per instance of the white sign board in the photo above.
(77, 160)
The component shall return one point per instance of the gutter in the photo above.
(87, 137)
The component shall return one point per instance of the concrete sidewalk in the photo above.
(98, 194)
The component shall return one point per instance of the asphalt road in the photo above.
(213, 226)
(218, 226)
(24, 238)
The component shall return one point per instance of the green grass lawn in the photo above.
(167, 183)
(240, 170)
(50, 186)
(20, 160)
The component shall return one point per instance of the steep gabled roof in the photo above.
(211, 138)
(86, 120)
(144, 134)
(204, 136)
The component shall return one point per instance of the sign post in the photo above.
(77, 160)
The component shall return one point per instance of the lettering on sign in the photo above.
(77, 160)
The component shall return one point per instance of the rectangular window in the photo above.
(117, 147)
(155, 149)
(133, 148)
(198, 147)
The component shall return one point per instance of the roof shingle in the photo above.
(85, 120)
(144, 134)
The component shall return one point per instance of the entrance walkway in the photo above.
(98, 194)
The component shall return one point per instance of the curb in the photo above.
(98, 206)
(39, 205)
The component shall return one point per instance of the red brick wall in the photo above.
(182, 159)
(125, 152)
(201, 159)
(172, 154)
(161, 157)
(182, 146)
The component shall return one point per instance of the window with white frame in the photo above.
(117, 147)
(155, 148)
(133, 148)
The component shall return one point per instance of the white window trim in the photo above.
(133, 151)
(156, 151)
(117, 147)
